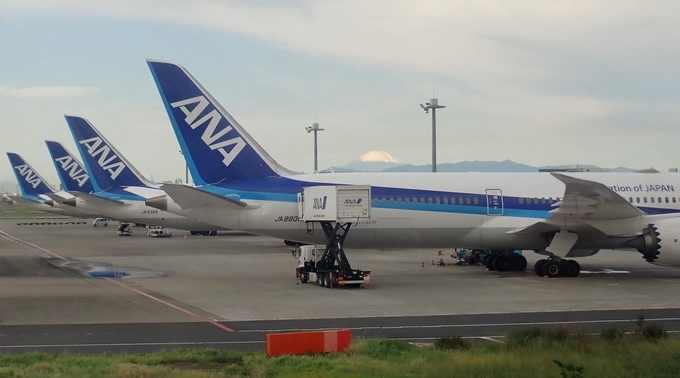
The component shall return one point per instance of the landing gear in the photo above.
(506, 261)
(554, 267)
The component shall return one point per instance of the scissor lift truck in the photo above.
(334, 208)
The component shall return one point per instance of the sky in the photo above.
(536, 82)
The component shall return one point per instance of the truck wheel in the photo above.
(304, 278)
(320, 279)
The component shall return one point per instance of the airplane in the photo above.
(36, 194)
(119, 190)
(562, 216)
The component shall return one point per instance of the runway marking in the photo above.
(459, 325)
(50, 253)
(190, 313)
(178, 308)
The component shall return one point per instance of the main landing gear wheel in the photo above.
(501, 263)
(571, 268)
(538, 267)
(552, 269)
(517, 263)
(488, 262)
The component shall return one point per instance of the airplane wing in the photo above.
(97, 200)
(591, 200)
(588, 209)
(188, 197)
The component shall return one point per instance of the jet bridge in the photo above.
(335, 208)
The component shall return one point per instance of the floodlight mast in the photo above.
(434, 105)
(315, 128)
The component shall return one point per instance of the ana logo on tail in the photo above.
(69, 165)
(210, 137)
(107, 163)
(28, 174)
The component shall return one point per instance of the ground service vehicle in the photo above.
(334, 208)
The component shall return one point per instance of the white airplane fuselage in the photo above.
(440, 210)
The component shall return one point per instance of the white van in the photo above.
(100, 222)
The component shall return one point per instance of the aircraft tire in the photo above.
(518, 263)
(501, 263)
(213, 233)
(488, 262)
(552, 269)
(194, 232)
(538, 267)
(572, 268)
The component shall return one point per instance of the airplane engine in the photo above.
(660, 242)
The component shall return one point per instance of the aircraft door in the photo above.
(494, 202)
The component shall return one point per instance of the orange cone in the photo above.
(185, 237)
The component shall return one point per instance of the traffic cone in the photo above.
(185, 236)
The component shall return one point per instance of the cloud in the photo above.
(47, 91)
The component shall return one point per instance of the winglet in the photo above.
(215, 146)
(31, 183)
(107, 167)
(71, 172)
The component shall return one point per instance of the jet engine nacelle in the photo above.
(660, 242)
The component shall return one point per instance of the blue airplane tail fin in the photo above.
(72, 174)
(30, 182)
(215, 146)
(108, 169)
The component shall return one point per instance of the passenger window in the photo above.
(437, 200)
(446, 200)
(666, 199)
(475, 200)
(673, 199)
(415, 200)
(399, 200)
(391, 201)
(630, 199)
(637, 199)
(384, 201)
(375, 200)
(543, 200)
(659, 199)
(536, 200)
(429, 199)
(521, 200)
(406, 200)
(460, 200)
(453, 200)
(422, 199)
(644, 199)
(651, 199)
(467, 200)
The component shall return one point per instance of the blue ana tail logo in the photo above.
(319, 203)
(27, 173)
(71, 166)
(96, 147)
(210, 135)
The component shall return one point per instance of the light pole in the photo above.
(434, 105)
(186, 168)
(314, 128)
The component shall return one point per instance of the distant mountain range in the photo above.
(380, 161)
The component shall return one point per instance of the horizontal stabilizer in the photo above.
(188, 197)
(96, 200)
(21, 200)
(56, 198)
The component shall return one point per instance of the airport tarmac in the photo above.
(236, 282)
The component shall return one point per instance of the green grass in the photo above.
(539, 357)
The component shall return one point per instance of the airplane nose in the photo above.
(160, 202)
